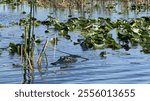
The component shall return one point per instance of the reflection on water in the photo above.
(117, 67)
(93, 8)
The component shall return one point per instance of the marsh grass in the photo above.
(82, 3)
(42, 53)
(28, 48)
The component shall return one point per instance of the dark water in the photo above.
(117, 67)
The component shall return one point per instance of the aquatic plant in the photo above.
(27, 47)
(96, 31)
(2, 26)
(103, 54)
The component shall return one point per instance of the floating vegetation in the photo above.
(2, 26)
(54, 41)
(103, 54)
(15, 48)
(96, 32)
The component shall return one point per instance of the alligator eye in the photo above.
(62, 57)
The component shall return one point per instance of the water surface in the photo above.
(119, 66)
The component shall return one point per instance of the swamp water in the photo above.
(119, 66)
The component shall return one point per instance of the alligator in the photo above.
(65, 60)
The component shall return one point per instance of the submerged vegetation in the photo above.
(96, 33)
